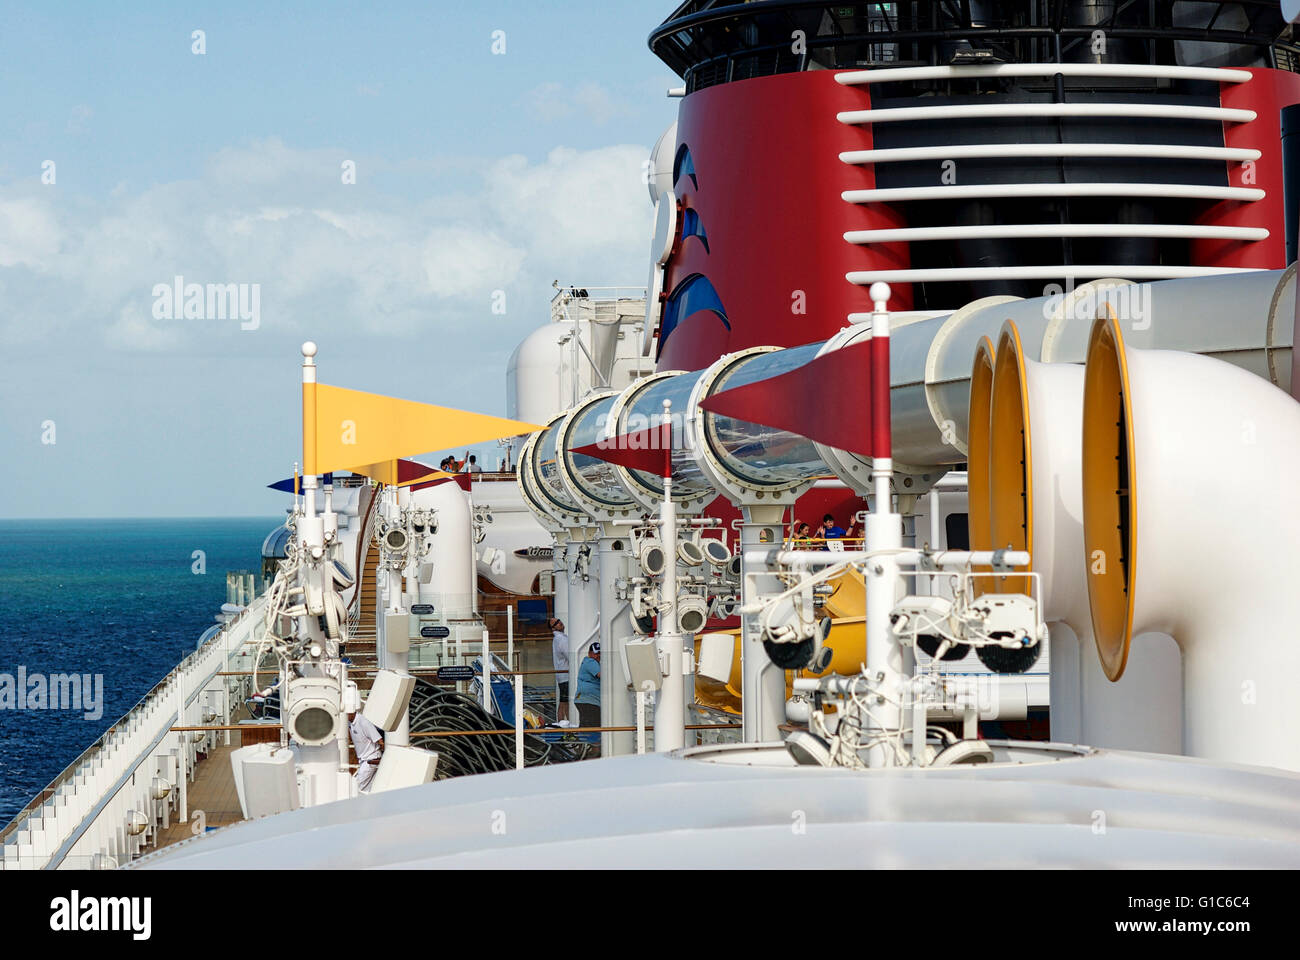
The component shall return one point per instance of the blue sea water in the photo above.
(115, 597)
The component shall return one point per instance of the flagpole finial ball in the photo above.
(309, 349)
(879, 292)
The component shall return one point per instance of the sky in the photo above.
(375, 179)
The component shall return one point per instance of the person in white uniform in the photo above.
(368, 740)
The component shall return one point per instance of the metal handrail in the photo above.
(594, 295)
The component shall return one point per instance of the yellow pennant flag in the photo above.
(350, 429)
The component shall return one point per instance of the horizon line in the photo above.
(248, 516)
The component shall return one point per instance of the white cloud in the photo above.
(587, 101)
(29, 233)
(462, 261)
(577, 205)
(598, 103)
(548, 102)
(136, 329)
(239, 169)
(327, 256)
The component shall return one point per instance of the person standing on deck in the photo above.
(368, 740)
(560, 659)
(587, 698)
(830, 530)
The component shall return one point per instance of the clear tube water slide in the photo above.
(1246, 319)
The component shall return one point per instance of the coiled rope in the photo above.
(438, 710)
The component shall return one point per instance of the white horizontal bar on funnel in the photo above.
(977, 151)
(1049, 272)
(1189, 191)
(1022, 230)
(1150, 71)
(969, 111)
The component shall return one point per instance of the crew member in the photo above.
(368, 740)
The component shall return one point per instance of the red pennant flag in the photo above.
(649, 450)
(461, 480)
(824, 400)
(408, 470)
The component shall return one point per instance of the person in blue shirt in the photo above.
(587, 697)
(830, 529)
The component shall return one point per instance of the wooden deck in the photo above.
(212, 792)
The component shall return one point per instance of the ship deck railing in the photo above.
(720, 41)
(603, 300)
(81, 819)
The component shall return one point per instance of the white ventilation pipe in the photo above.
(1029, 496)
(454, 583)
(1190, 520)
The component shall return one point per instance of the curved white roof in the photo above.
(1086, 809)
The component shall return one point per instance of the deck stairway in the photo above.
(361, 614)
(364, 630)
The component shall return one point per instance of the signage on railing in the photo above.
(457, 673)
(535, 553)
(422, 608)
(435, 633)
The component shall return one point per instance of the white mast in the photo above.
(884, 531)
(670, 707)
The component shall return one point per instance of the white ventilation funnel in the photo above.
(1190, 523)
(1032, 499)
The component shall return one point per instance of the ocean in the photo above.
(119, 598)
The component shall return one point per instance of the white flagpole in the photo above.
(670, 706)
(884, 654)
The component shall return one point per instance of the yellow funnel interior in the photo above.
(977, 455)
(1109, 495)
(1010, 467)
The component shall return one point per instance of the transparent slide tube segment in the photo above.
(596, 477)
(646, 410)
(547, 469)
(761, 455)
